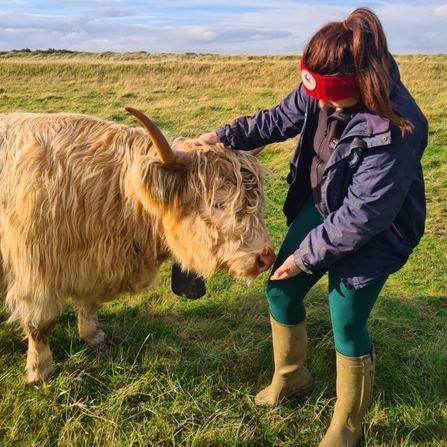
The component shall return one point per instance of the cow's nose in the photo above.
(265, 260)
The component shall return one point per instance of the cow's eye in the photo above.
(218, 205)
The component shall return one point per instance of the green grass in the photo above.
(184, 373)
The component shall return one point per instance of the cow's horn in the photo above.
(164, 149)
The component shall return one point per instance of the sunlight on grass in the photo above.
(185, 373)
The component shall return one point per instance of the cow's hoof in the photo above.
(100, 342)
(35, 378)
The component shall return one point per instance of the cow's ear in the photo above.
(158, 186)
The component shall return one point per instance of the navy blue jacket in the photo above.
(372, 190)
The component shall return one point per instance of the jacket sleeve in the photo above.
(374, 198)
(279, 123)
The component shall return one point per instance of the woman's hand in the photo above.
(208, 138)
(211, 138)
(287, 270)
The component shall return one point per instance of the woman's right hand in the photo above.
(211, 138)
(207, 138)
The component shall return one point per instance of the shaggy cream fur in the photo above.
(89, 211)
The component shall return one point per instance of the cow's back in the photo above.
(68, 224)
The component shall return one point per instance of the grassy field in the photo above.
(184, 373)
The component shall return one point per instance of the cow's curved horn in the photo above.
(164, 149)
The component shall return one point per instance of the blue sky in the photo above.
(212, 26)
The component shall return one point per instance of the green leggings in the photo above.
(350, 309)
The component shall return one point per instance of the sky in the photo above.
(265, 27)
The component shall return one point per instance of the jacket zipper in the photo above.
(397, 232)
(322, 141)
(318, 169)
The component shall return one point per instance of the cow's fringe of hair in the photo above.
(218, 177)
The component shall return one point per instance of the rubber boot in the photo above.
(289, 354)
(355, 379)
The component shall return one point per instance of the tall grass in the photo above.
(184, 373)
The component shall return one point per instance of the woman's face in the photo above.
(339, 104)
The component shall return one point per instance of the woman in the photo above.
(356, 204)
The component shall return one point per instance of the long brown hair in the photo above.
(358, 44)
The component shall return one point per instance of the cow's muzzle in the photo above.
(265, 260)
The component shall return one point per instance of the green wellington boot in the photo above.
(355, 378)
(289, 354)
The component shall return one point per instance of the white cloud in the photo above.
(231, 26)
(441, 11)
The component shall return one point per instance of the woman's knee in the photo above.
(285, 304)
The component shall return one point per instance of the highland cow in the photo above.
(90, 209)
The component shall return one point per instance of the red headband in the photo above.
(329, 88)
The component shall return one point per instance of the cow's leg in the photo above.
(89, 329)
(39, 364)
